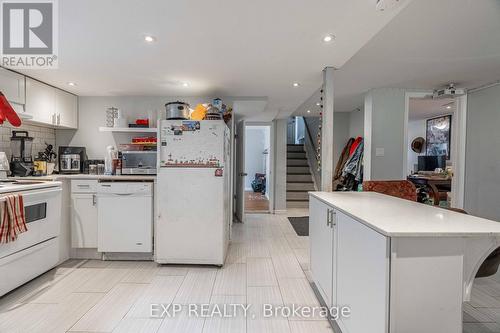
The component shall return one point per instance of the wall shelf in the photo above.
(127, 130)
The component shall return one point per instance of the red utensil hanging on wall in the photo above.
(7, 112)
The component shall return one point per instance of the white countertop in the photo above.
(10, 188)
(396, 217)
(86, 176)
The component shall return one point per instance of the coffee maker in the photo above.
(21, 163)
(72, 160)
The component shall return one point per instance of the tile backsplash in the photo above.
(40, 135)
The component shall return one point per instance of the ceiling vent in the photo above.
(448, 92)
(386, 4)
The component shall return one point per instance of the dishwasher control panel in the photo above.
(125, 188)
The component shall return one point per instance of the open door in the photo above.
(240, 171)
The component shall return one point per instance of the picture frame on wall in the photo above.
(438, 136)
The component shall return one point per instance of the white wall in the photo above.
(482, 159)
(340, 134)
(356, 123)
(384, 131)
(299, 130)
(416, 128)
(257, 140)
(92, 115)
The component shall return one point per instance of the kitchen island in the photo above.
(399, 265)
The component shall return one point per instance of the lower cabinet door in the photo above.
(84, 221)
(322, 247)
(362, 276)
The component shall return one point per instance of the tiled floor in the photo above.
(266, 264)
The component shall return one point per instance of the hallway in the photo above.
(256, 202)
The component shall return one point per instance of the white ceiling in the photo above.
(427, 45)
(425, 108)
(221, 48)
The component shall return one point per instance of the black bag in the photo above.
(259, 183)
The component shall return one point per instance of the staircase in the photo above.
(298, 177)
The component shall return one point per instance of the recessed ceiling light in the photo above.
(71, 84)
(296, 84)
(308, 111)
(448, 107)
(318, 104)
(328, 38)
(149, 38)
(185, 84)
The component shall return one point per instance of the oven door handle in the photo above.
(51, 190)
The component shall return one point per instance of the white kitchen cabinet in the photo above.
(350, 267)
(322, 231)
(40, 102)
(84, 225)
(12, 85)
(398, 265)
(51, 106)
(84, 221)
(66, 109)
(362, 276)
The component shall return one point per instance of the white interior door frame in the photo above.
(459, 131)
(409, 95)
(239, 170)
(269, 190)
(460, 137)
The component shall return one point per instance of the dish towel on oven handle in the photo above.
(12, 219)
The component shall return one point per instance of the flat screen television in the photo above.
(431, 163)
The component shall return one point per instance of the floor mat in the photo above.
(300, 224)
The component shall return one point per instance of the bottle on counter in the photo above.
(111, 154)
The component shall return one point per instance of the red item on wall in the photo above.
(355, 145)
(8, 113)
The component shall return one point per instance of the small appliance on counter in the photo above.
(177, 110)
(138, 162)
(72, 159)
(21, 163)
(91, 167)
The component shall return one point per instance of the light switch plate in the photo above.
(379, 152)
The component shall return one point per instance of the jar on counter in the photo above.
(92, 169)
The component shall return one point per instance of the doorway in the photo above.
(257, 168)
(433, 153)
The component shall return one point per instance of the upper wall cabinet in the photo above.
(40, 102)
(66, 109)
(51, 106)
(12, 85)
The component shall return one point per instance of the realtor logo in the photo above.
(29, 34)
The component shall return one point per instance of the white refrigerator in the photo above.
(193, 192)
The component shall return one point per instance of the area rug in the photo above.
(300, 224)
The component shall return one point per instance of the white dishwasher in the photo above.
(125, 216)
